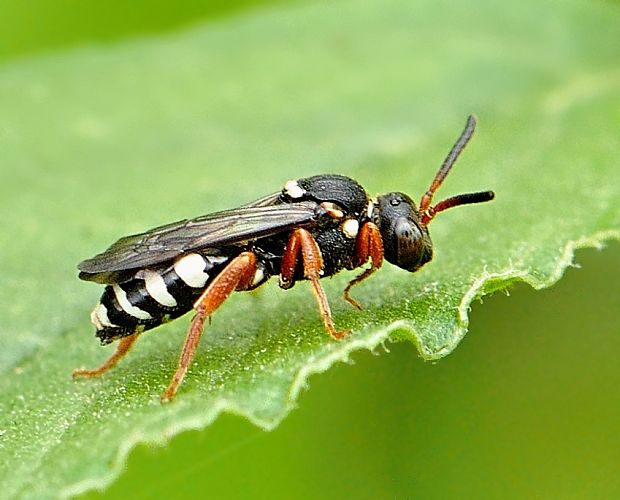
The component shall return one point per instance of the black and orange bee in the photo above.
(313, 228)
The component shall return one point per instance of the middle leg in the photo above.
(302, 242)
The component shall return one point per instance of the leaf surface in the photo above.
(101, 142)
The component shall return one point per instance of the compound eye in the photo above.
(407, 236)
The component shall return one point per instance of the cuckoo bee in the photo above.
(314, 227)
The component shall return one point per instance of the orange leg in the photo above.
(123, 347)
(369, 245)
(237, 275)
(301, 241)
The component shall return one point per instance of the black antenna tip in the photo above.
(488, 195)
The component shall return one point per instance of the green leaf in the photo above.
(101, 142)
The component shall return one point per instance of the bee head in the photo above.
(404, 227)
(406, 242)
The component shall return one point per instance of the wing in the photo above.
(270, 199)
(218, 229)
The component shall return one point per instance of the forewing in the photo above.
(214, 230)
(270, 199)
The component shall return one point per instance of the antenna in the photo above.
(428, 212)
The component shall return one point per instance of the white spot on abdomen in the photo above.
(191, 269)
(99, 317)
(121, 297)
(215, 260)
(156, 286)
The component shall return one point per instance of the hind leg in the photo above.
(123, 347)
(237, 275)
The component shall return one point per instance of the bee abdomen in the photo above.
(153, 296)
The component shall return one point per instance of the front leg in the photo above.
(368, 245)
(302, 242)
(237, 275)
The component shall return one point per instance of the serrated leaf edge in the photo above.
(342, 353)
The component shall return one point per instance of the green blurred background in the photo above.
(527, 407)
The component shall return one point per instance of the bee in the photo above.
(313, 228)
